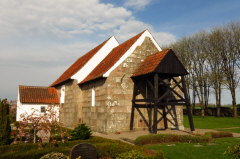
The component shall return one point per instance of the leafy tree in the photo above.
(36, 121)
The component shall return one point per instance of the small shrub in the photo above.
(233, 151)
(131, 155)
(219, 134)
(169, 138)
(141, 154)
(81, 132)
(54, 155)
(112, 149)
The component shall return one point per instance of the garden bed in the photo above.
(105, 148)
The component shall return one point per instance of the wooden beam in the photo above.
(172, 116)
(190, 119)
(149, 84)
(132, 116)
(150, 118)
(172, 89)
(165, 117)
(178, 83)
(155, 103)
(160, 113)
(143, 100)
(166, 93)
(133, 107)
(159, 105)
(175, 92)
(144, 119)
(160, 119)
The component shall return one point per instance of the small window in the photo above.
(93, 97)
(62, 96)
(43, 109)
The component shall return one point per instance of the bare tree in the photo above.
(213, 47)
(212, 59)
(230, 56)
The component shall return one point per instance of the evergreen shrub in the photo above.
(5, 128)
(81, 132)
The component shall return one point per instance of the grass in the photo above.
(234, 130)
(209, 122)
(194, 151)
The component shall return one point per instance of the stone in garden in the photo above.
(84, 150)
(44, 135)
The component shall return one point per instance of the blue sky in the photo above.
(40, 39)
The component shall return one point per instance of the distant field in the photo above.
(209, 122)
(196, 151)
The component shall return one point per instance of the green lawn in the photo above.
(193, 151)
(210, 122)
(234, 130)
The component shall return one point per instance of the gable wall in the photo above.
(114, 95)
(70, 110)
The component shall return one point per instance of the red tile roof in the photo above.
(41, 95)
(111, 59)
(76, 66)
(150, 63)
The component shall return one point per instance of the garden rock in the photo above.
(44, 135)
(84, 150)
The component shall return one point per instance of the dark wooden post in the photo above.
(133, 107)
(165, 117)
(149, 110)
(190, 118)
(155, 103)
(150, 119)
(132, 116)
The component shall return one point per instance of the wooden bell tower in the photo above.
(159, 80)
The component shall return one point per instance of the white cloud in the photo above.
(137, 4)
(132, 27)
(39, 39)
(59, 17)
(164, 38)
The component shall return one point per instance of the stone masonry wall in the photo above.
(114, 95)
(71, 110)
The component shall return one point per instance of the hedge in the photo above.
(171, 138)
(106, 148)
(210, 111)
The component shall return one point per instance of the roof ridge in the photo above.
(78, 64)
(168, 49)
(111, 58)
(35, 86)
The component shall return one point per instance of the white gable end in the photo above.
(95, 60)
(131, 49)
